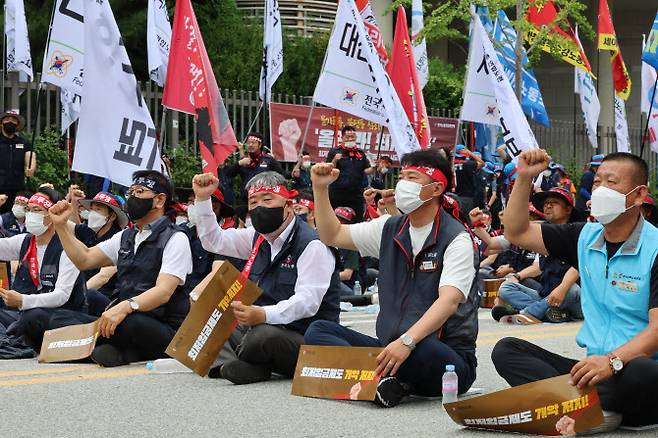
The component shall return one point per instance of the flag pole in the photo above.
(308, 124)
(4, 55)
(646, 127)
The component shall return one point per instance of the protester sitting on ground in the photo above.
(304, 207)
(13, 221)
(378, 177)
(349, 260)
(153, 260)
(619, 288)
(586, 182)
(427, 289)
(46, 281)
(558, 298)
(106, 218)
(354, 165)
(256, 161)
(297, 272)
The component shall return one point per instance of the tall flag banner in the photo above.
(18, 55)
(531, 99)
(354, 81)
(116, 135)
(608, 41)
(158, 40)
(369, 21)
(272, 50)
(621, 126)
(650, 50)
(649, 106)
(419, 43)
(402, 70)
(63, 64)
(191, 88)
(516, 132)
(545, 14)
(589, 104)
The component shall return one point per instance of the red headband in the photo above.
(305, 202)
(279, 190)
(104, 197)
(41, 201)
(254, 138)
(21, 199)
(434, 174)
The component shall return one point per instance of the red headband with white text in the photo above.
(433, 173)
(41, 201)
(279, 190)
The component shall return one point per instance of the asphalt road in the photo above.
(80, 400)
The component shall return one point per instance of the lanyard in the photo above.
(252, 257)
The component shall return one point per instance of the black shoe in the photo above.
(390, 392)
(499, 311)
(107, 355)
(556, 316)
(215, 373)
(242, 373)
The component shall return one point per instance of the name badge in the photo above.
(627, 286)
(20, 146)
(263, 164)
(428, 266)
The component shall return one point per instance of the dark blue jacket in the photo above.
(277, 278)
(10, 224)
(409, 286)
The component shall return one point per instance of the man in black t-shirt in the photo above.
(18, 158)
(466, 165)
(617, 258)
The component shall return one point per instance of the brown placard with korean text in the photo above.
(550, 407)
(209, 324)
(73, 342)
(337, 373)
(4, 275)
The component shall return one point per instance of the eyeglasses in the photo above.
(138, 192)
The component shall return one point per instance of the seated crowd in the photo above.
(422, 251)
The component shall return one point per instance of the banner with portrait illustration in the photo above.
(287, 124)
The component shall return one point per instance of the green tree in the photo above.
(52, 161)
(445, 85)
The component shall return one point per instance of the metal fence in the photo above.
(567, 141)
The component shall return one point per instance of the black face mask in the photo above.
(266, 220)
(303, 217)
(137, 208)
(10, 128)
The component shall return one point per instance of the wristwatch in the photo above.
(133, 305)
(616, 364)
(408, 341)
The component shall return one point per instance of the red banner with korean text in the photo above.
(288, 122)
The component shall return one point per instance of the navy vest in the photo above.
(278, 277)
(552, 274)
(408, 287)
(201, 259)
(138, 272)
(10, 224)
(12, 165)
(48, 271)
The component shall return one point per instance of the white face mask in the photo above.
(350, 144)
(96, 221)
(191, 214)
(180, 220)
(247, 222)
(84, 214)
(18, 211)
(407, 196)
(384, 170)
(34, 223)
(306, 164)
(608, 204)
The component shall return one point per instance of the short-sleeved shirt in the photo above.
(12, 165)
(352, 166)
(561, 241)
(465, 172)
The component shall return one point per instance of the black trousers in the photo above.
(271, 347)
(142, 337)
(632, 392)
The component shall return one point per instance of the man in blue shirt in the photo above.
(619, 290)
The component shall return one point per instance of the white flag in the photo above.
(648, 83)
(589, 104)
(516, 131)
(272, 50)
(420, 49)
(353, 80)
(158, 38)
(18, 55)
(71, 105)
(621, 126)
(116, 135)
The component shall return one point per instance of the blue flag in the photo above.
(650, 53)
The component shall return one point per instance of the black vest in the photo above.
(552, 274)
(12, 165)
(201, 259)
(48, 272)
(11, 226)
(278, 277)
(408, 287)
(138, 272)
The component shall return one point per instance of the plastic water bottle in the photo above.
(167, 366)
(450, 385)
(345, 306)
(357, 288)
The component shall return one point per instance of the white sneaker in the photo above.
(611, 421)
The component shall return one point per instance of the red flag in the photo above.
(402, 70)
(365, 9)
(191, 88)
(544, 14)
(608, 40)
